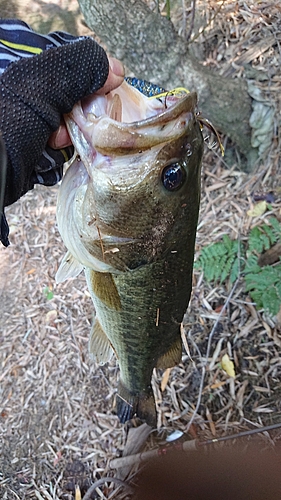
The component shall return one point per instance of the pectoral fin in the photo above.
(99, 345)
(172, 357)
(103, 287)
(69, 268)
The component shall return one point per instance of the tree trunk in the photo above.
(149, 46)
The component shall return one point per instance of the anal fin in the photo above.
(99, 345)
(142, 405)
(172, 357)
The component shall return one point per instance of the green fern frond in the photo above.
(220, 260)
(256, 243)
(262, 237)
(271, 234)
(264, 287)
(251, 265)
(226, 259)
(234, 272)
(276, 227)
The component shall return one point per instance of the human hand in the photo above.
(35, 92)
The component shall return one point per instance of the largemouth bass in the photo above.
(127, 212)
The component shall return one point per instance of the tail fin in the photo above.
(141, 405)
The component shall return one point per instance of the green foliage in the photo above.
(220, 260)
(48, 293)
(227, 258)
(264, 287)
(261, 238)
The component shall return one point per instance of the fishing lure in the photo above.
(146, 88)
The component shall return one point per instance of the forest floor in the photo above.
(58, 427)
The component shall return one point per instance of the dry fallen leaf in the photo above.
(217, 385)
(228, 365)
(51, 316)
(77, 493)
(258, 209)
(165, 379)
(31, 271)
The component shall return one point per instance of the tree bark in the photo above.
(149, 46)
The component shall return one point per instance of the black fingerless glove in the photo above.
(34, 93)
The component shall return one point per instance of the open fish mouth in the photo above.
(126, 122)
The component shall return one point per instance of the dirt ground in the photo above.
(57, 422)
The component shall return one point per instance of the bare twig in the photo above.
(183, 19)
(191, 21)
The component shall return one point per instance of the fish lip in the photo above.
(111, 138)
(186, 104)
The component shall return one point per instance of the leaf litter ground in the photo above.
(58, 426)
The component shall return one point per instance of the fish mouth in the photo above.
(127, 122)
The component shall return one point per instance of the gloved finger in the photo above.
(3, 172)
(60, 138)
(49, 169)
(34, 93)
(115, 76)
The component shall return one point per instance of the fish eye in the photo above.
(173, 176)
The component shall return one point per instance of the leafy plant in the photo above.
(263, 237)
(48, 293)
(227, 258)
(220, 260)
